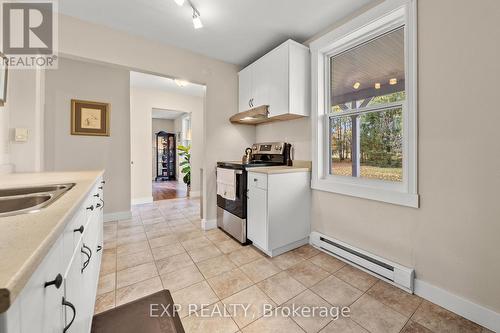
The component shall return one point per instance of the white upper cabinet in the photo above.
(280, 79)
(245, 89)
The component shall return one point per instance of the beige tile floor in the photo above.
(163, 247)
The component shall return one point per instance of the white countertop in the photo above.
(27, 238)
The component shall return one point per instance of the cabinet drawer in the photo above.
(71, 237)
(258, 180)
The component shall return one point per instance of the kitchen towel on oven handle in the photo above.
(226, 183)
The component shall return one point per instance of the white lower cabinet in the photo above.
(60, 295)
(41, 303)
(278, 211)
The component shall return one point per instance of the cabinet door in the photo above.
(260, 81)
(75, 294)
(276, 77)
(257, 216)
(245, 89)
(41, 308)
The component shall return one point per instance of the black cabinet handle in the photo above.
(103, 182)
(102, 203)
(72, 307)
(88, 248)
(90, 207)
(80, 230)
(89, 255)
(96, 195)
(99, 248)
(57, 282)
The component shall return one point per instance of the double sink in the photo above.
(22, 200)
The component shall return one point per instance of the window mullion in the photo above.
(355, 146)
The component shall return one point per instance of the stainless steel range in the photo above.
(232, 209)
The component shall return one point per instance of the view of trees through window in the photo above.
(367, 94)
(380, 141)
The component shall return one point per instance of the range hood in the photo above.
(260, 115)
(253, 116)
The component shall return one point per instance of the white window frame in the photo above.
(381, 19)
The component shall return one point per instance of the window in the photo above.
(367, 92)
(366, 111)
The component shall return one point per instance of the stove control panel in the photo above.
(271, 148)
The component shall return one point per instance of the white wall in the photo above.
(142, 101)
(157, 125)
(65, 152)
(453, 239)
(297, 132)
(24, 109)
(5, 165)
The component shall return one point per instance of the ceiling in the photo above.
(148, 81)
(376, 61)
(165, 114)
(235, 31)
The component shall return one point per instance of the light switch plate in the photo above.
(20, 134)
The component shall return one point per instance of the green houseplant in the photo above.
(185, 154)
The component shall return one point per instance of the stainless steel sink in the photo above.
(25, 200)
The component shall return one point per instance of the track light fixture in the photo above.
(196, 19)
(196, 14)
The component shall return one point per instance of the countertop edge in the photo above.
(10, 292)
(278, 170)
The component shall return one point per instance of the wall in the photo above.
(452, 240)
(25, 102)
(23, 109)
(5, 165)
(297, 132)
(142, 101)
(64, 152)
(157, 125)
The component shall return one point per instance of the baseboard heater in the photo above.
(398, 275)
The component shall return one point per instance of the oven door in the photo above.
(236, 207)
(232, 214)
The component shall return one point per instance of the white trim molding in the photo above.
(461, 306)
(109, 217)
(386, 17)
(194, 194)
(141, 201)
(208, 224)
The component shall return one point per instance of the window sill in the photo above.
(366, 192)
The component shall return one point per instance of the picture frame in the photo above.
(4, 71)
(90, 118)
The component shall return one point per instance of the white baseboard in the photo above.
(208, 224)
(117, 216)
(194, 194)
(465, 308)
(140, 201)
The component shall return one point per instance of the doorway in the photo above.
(167, 118)
(171, 133)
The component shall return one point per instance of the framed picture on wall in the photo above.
(89, 118)
(3, 79)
